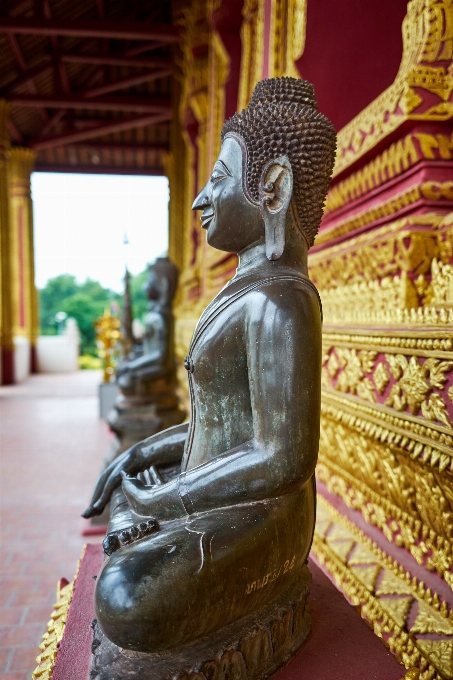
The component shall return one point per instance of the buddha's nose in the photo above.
(202, 200)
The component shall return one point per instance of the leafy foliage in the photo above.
(139, 300)
(85, 302)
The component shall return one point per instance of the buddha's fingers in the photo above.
(112, 483)
(91, 511)
(138, 496)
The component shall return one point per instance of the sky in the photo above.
(80, 222)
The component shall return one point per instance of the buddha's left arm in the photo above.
(283, 343)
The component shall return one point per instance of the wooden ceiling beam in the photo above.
(60, 68)
(125, 83)
(113, 60)
(98, 169)
(53, 120)
(76, 101)
(118, 146)
(15, 49)
(22, 65)
(118, 125)
(14, 132)
(77, 28)
(28, 76)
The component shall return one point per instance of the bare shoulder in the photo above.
(284, 297)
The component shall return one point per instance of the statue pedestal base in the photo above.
(339, 646)
(253, 648)
(133, 420)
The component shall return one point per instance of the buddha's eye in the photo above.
(217, 175)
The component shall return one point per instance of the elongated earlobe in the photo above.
(276, 190)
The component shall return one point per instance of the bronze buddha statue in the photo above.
(146, 377)
(195, 551)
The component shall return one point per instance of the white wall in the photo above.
(59, 353)
(21, 358)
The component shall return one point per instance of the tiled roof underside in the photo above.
(138, 149)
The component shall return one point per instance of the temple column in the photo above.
(6, 303)
(25, 298)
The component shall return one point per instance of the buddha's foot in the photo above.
(117, 539)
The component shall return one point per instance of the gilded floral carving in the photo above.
(411, 388)
(381, 377)
(415, 382)
(401, 273)
(353, 367)
(410, 503)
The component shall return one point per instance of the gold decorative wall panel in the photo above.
(425, 74)
(401, 273)
(414, 623)
(383, 263)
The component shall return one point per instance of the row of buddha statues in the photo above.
(211, 520)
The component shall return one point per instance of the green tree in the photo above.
(139, 300)
(84, 302)
(51, 299)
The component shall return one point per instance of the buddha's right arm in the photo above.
(284, 371)
(163, 448)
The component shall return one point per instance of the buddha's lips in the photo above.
(206, 219)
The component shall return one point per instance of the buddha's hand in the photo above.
(111, 479)
(162, 501)
(163, 448)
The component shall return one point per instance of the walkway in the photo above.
(51, 449)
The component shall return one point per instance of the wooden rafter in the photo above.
(75, 101)
(22, 65)
(125, 83)
(118, 125)
(119, 30)
(78, 57)
(119, 146)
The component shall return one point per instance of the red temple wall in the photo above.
(352, 53)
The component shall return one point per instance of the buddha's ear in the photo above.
(276, 190)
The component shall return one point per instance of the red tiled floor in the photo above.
(12, 616)
(51, 448)
(23, 659)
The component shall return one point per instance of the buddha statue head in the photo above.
(272, 175)
(162, 281)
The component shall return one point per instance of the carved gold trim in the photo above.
(431, 221)
(402, 274)
(417, 378)
(420, 343)
(420, 438)
(391, 318)
(432, 191)
(426, 40)
(287, 36)
(409, 499)
(385, 593)
(252, 37)
(55, 629)
(400, 156)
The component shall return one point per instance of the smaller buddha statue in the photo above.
(146, 377)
